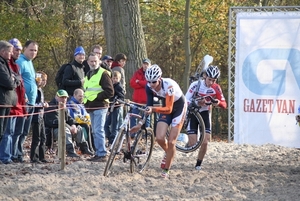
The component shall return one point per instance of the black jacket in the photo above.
(39, 109)
(8, 83)
(72, 77)
(51, 115)
(119, 92)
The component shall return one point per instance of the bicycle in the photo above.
(140, 152)
(182, 139)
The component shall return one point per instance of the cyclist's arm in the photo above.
(149, 94)
(190, 92)
(220, 97)
(169, 102)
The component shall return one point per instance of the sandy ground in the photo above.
(230, 172)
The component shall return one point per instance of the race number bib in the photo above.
(170, 91)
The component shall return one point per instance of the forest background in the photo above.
(175, 34)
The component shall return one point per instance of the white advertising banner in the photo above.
(267, 78)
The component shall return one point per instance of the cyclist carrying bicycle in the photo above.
(208, 89)
(171, 113)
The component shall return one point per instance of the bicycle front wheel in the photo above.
(183, 137)
(142, 150)
(114, 151)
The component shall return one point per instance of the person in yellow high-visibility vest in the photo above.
(98, 88)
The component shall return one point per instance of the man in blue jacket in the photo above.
(28, 75)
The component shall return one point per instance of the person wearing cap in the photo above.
(28, 75)
(15, 124)
(8, 97)
(106, 64)
(98, 88)
(73, 77)
(138, 82)
(108, 60)
(96, 49)
(51, 121)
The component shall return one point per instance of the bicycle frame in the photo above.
(125, 125)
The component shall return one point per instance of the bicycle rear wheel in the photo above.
(142, 150)
(182, 140)
(114, 151)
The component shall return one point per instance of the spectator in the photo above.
(138, 82)
(96, 49)
(28, 75)
(82, 119)
(73, 77)
(37, 150)
(108, 60)
(98, 89)
(51, 121)
(112, 124)
(106, 63)
(118, 65)
(8, 97)
(15, 124)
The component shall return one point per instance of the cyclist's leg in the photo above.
(161, 130)
(193, 130)
(203, 148)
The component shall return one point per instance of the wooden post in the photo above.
(62, 136)
(210, 116)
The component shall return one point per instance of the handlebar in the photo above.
(211, 99)
(129, 104)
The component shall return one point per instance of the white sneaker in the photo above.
(198, 167)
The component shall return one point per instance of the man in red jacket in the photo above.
(138, 82)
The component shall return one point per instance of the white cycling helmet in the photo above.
(213, 72)
(153, 73)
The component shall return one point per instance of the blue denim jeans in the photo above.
(111, 126)
(26, 130)
(98, 120)
(4, 111)
(6, 148)
(15, 138)
(133, 121)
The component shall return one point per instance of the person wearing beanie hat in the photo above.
(73, 76)
(79, 50)
(16, 43)
(138, 82)
(15, 124)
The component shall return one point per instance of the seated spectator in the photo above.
(111, 126)
(51, 121)
(82, 119)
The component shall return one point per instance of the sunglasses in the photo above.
(152, 82)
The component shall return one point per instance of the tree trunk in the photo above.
(124, 34)
(187, 46)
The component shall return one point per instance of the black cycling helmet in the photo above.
(213, 72)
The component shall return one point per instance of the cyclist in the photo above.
(207, 88)
(171, 113)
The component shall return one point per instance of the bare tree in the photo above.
(124, 33)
